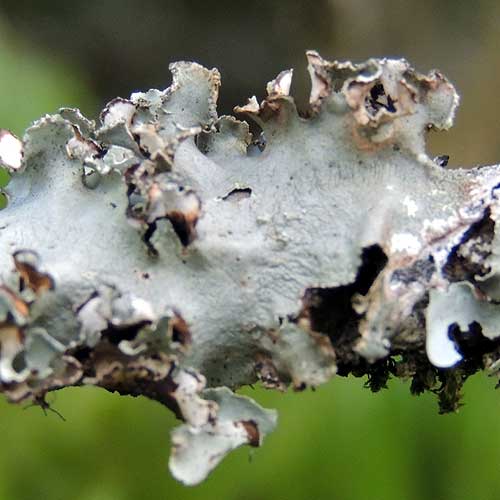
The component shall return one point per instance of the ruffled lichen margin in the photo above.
(170, 253)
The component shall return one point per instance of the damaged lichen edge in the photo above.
(168, 252)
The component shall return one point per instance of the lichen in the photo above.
(167, 252)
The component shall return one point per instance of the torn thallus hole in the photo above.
(202, 141)
(183, 224)
(180, 331)
(471, 344)
(238, 194)
(19, 362)
(330, 310)
(115, 334)
(252, 431)
(442, 160)
(378, 99)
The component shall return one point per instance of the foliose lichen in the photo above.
(168, 252)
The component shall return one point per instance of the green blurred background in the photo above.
(340, 442)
